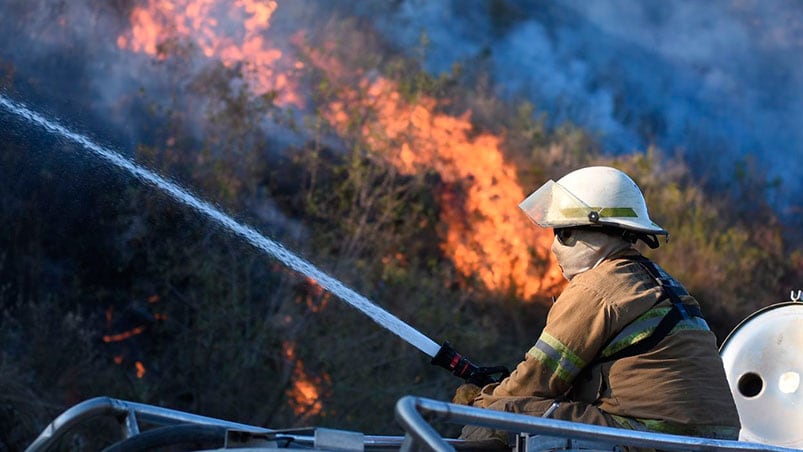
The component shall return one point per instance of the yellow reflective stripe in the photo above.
(604, 212)
(636, 331)
(674, 428)
(645, 325)
(557, 357)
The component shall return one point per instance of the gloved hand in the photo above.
(465, 394)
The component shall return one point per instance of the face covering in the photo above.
(584, 250)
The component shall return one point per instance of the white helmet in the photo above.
(596, 195)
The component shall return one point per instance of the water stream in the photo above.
(252, 236)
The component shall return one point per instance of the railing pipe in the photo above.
(127, 413)
(411, 412)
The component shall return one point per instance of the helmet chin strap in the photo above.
(651, 240)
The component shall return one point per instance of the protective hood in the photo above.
(586, 249)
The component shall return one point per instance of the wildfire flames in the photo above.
(486, 236)
(304, 392)
(315, 297)
(122, 337)
(230, 31)
(140, 369)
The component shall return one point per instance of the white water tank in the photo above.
(763, 358)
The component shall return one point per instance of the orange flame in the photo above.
(315, 297)
(124, 335)
(487, 235)
(140, 369)
(305, 391)
(229, 31)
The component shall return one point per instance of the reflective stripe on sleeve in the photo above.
(557, 357)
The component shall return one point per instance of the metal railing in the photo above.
(415, 413)
(130, 415)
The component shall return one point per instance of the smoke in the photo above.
(717, 81)
(63, 59)
(66, 59)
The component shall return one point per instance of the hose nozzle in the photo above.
(451, 360)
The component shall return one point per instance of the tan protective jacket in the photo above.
(678, 386)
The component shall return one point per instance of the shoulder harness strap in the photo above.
(678, 312)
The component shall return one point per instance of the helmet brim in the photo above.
(632, 225)
(554, 206)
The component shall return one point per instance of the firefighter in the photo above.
(624, 345)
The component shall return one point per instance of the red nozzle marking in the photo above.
(455, 360)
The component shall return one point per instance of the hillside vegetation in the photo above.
(109, 287)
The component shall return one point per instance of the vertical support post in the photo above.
(130, 424)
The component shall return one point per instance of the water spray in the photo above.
(443, 356)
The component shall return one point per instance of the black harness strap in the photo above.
(678, 312)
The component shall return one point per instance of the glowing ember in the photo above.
(487, 235)
(316, 298)
(231, 31)
(305, 392)
(140, 369)
(124, 335)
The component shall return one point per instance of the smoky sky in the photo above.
(718, 81)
